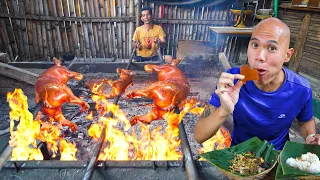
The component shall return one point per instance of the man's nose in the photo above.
(261, 55)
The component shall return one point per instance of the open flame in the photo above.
(220, 140)
(23, 139)
(121, 142)
(122, 145)
(25, 136)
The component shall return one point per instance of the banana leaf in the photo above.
(294, 149)
(221, 158)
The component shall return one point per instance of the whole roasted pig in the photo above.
(51, 89)
(170, 91)
(120, 85)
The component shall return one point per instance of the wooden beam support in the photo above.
(18, 74)
(300, 42)
(224, 61)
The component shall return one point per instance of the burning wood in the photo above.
(52, 90)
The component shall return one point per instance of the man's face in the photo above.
(268, 50)
(146, 17)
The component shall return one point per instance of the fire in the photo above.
(24, 138)
(67, 150)
(220, 140)
(96, 88)
(121, 145)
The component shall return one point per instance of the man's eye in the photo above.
(272, 48)
(254, 45)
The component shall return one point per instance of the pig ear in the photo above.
(56, 61)
(118, 70)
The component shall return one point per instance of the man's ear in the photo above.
(289, 54)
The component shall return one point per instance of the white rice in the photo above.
(308, 162)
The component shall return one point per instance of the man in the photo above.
(267, 107)
(147, 38)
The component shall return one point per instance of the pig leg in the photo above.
(84, 105)
(57, 115)
(64, 122)
(139, 93)
(148, 118)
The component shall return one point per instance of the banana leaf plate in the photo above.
(294, 149)
(221, 158)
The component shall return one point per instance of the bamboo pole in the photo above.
(131, 25)
(16, 25)
(192, 26)
(43, 35)
(56, 7)
(33, 33)
(206, 27)
(175, 40)
(74, 30)
(46, 6)
(119, 29)
(63, 33)
(90, 29)
(85, 30)
(79, 36)
(66, 4)
(4, 36)
(10, 31)
(55, 39)
(94, 29)
(123, 28)
(29, 32)
(104, 29)
(109, 31)
(113, 29)
(99, 28)
(68, 30)
(38, 29)
(138, 8)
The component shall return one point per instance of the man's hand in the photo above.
(157, 41)
(228, 92)
(315, 139)
(138, 45)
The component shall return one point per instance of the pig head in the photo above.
(170, 91)
(51, 89)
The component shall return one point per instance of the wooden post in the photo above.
(300, 42)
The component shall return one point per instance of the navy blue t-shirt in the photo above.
(269, 115)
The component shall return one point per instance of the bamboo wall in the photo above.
(310, 63)
(34, 30)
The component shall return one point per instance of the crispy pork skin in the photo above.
(170, 91)
(51, 89)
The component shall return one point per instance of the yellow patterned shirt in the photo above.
(147, 38)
